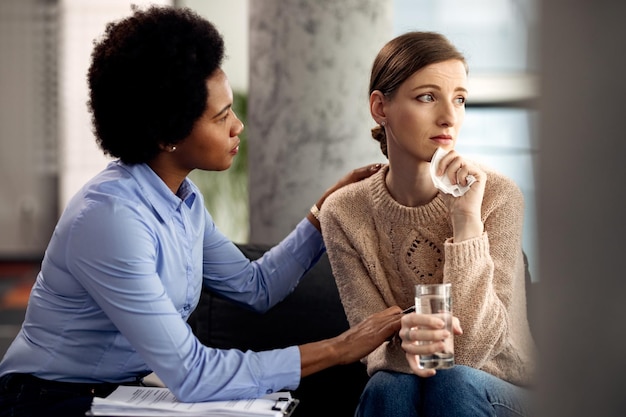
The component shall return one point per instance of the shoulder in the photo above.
(353, 197)
(111, 201)
(502, 195)
(499, 180)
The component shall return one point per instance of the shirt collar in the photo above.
(159, 195)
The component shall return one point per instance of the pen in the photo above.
(408, 310)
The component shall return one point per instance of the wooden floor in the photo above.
(16, 280)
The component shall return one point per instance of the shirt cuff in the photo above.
(282, 369)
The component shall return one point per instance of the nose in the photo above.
(237, 127)
(447, 115)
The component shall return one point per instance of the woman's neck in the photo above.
(411, 186)
(168, 172)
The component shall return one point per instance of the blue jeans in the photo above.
(455, 392)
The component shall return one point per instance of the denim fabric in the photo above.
(457, 392)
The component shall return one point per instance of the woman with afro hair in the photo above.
(131, 252)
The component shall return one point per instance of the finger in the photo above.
(423, 337)
(456, 326)
(465, 171)
(411, 320)
(382, 324)
(446, 161)
(422, 372)
(413, 364)
(457, 171)
(366, 171)
(391, 311)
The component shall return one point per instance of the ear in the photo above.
(167, 148)
(377, 106)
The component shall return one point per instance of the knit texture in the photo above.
(379, 250)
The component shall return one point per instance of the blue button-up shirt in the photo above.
(122, 273)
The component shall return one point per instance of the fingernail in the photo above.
(376, 167)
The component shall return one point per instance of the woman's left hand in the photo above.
(465, 211)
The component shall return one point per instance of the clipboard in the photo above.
(286, 405)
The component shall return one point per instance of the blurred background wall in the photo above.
(301, 89)
(29, 125)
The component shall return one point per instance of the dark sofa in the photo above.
(311, 313)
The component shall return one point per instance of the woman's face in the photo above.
(213, 141)
(427, 111)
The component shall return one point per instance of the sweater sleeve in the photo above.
(351, 243)
(485, 273)
(349, 246)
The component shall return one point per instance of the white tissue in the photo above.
(442, 182)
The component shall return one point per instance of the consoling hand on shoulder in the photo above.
(353, 176)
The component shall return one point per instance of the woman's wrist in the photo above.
(467, 229)
(317, 356)
(315, 211)
(313, 216)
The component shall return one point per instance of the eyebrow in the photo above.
(436, 87)
(224, 109)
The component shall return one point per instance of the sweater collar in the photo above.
(394, 210)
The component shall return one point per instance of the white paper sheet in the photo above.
(155, 401)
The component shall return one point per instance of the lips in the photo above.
(442, 140)
(442, 137)
(235, 150)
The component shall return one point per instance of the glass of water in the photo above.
(436, 299)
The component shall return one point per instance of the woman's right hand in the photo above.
(418, 328)
(355, 175)
(353, 344)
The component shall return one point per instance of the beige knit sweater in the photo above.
(379, 250)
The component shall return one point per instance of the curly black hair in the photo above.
(147, 80)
